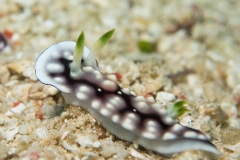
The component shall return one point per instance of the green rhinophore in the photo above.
(102, 41)
(77, 55)
(178, 109)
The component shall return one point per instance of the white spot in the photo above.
(116, 101)
(134, 110)
(190, 134)
(105, 112)
(116, 118)
(142, 107)
(140, 98)
(99, 77)
(87, 69)
(82, 96)
(55, 68)
(152, 126)
(126, 90)
(112, 77)
(177, 127)
(96, 72)
(151, 129)
(200, 136)
(119, 92)
(151, 99)
(76, 74)
(130, 121)
(96, 104)
(99, 89)
(169, 120)
(128, 125)
(149, 135)
(110, 106)
(132, 116)
(113, 101)
(84, 89)
(133, 93)
(68, 55)
(169, 136)
(109, 85)
(59, 79)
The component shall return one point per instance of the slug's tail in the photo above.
(179, 141)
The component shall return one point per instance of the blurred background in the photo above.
(195, 44)
(188, 36)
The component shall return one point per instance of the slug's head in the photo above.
(62, 63)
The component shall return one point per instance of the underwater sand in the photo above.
(193, 54)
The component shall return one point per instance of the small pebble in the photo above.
(84, 141)
(52, 90)
(11, 134)
(165, 96)
(90, 156)
(42, 132)
(4, 75)
(19, 67)
(23, 129)
(21, 92)
(30, 72)
(205, 127)
(96, 144)
(136, 154)
(37, 95)
(25, 139)
(49, 110)
(18, 109)
(187, 121)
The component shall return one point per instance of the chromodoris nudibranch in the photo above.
(73, 69)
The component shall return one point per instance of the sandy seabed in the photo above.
(193, 54)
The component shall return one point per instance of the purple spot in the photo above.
(3, 42)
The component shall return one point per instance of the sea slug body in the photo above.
(73, 69)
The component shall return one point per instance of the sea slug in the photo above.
(73, 69)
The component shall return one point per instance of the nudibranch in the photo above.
(73, 69)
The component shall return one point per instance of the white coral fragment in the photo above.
(18, 110)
